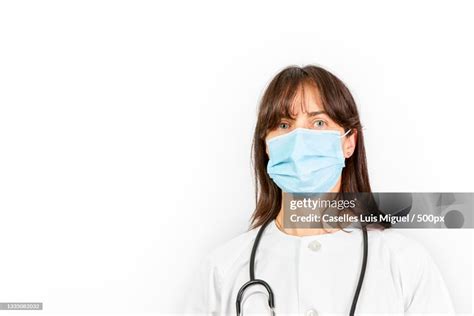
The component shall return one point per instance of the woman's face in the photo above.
(312, 117)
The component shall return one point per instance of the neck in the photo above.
(305, 231)
(301, 231)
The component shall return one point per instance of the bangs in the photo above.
(288, 95)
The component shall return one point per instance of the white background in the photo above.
(125, 132)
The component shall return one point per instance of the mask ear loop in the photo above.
(348, 131)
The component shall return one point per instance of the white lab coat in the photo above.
(317, 275)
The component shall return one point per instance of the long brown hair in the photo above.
(275, 104)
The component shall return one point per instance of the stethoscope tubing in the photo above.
(271, 298)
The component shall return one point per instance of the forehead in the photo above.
(307, 99)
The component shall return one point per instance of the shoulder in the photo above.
(205, 291)
(409, 261)
(400, 244)
(213, 267)
(414, 269)
(407, 257)
(223, 257)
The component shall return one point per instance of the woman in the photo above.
(309, 138)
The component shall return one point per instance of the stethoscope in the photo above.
(271, 299)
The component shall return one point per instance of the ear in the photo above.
(349, 144)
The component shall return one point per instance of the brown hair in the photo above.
(275, 104)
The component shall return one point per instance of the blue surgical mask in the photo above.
(305, 160)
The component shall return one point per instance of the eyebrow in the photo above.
(316, 113)
(310, 114)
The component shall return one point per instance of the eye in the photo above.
(319, 124)
(284, 125)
